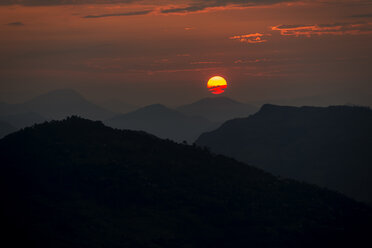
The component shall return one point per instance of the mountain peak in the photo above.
(72, 122)
(163, 122)
(61, 103)
(60, 95)
(266, 108)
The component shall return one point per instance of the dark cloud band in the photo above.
(61, 2)
(145, 12)
(362, 16)
(194, 5)
(15, 24)
(202, 5)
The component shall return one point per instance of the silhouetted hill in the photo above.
(218, 109)
(78, 183)
(163, 122)
(325, 146)
(6, 128)
(55, 105)
(59, 104)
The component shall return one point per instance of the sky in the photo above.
(143, 52)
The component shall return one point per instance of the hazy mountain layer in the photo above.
(163, 122)
(6, 128)
(326, 146)
(218, 109)
(56, 104)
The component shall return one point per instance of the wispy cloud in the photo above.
(190, 8)
(362, 16)
(205, 62)
(61, 2)
(356, 28)
(251, 38)
(162, 7)
(192, 5)
(151, 72)
(199, 5)
(16, 24)
(134, 13)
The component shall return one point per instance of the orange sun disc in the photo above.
(217, 85)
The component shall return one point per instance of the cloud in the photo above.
(362, 16)
(61, 2)
(355, 28)
(308, 30)
(251, 38)
(205, 62)
(16, 24)
(166, 7)
(195, 6)
(191, 5)
(144, 12)
(191, 8)
(289, 26)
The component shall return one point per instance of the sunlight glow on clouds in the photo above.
(251, 38)
(324, 29)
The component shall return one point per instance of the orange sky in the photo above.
(165, 51)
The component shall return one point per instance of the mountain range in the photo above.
(163, 122)
(53, 105)
(77, 183)
(184, 123)
(59, 104)
(218, 109)
(327, 146)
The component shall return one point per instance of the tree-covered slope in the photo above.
(78, 183)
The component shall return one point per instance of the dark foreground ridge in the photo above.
(78, 183)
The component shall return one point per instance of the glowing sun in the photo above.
(217, 85)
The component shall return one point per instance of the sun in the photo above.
(217, 85)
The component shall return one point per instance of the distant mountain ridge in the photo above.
(59, 104)
(53, 105)
(184, 123)
(77, 183)
(218, 109)
(163, 122)
(327, 146)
